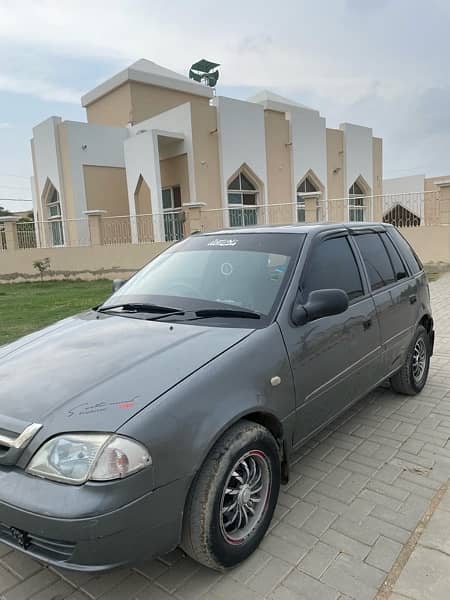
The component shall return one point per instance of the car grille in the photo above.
(40, 546)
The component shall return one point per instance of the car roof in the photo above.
(306, 228)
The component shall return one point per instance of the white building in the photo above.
(155, 141)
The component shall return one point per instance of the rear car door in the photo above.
(334, 359)
(394, 293)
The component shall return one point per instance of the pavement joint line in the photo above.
(435, 550)
(387, 586)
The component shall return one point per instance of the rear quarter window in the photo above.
(400, 270)
(410, 257)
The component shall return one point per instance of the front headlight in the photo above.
(79, 457)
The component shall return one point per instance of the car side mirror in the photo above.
(117, 284)
(320, 303)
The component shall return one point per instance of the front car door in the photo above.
(336, 359)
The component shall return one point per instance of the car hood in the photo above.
(94, 372)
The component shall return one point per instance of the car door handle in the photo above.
(367, 324)
(412, 299)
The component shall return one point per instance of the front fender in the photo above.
(182, 425)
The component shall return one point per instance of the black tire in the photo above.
(405, 382)
(205, 536)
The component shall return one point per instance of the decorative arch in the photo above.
(49, 191)
(400, 216)
(244, 191)
(309, 191)
(142, 197)
(358, 202)
(143, 207)
(359, 187)
(311, 181)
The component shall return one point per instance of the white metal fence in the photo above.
(403, 210)
(411, 209)
(53, 233)
(166, 226)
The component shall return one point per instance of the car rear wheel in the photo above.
(233, 497)
(412, 377)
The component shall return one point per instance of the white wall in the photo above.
(47, 165)
(142, 158)
(92, 144)
(241, 136)
(47, 158)
(399, 185)
(178, 121)
(309, 146)
(36, 207)
(87, 144)
(357, 154)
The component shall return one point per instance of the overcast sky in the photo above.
(379, 63)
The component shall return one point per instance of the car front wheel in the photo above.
(233, 497)
(413, 375)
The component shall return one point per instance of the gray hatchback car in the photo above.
(169, 414)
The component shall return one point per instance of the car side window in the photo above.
(377, 262)
(332, 265)
(400, 270)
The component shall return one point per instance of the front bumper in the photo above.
(142, 529)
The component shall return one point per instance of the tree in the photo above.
(4, 212)
(42, 266)
(28, 218)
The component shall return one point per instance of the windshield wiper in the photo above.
(205, 313)
(167, 311)
(141, 307)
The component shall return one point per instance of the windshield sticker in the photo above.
(221, 242)
(226, 269)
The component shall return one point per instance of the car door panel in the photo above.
(394, 293)
(334, 361)
(397, 322)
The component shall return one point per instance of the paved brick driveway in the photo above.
(356, 494)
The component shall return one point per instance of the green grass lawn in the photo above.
(433, 276)
(25, 307)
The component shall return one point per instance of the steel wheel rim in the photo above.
(245, 497)
(419, 360)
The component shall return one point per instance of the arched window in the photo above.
(357, 203)
(54, 215)
(242, 201)
(307, 189)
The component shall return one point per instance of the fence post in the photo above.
(95, 226)
(311, 209)
(376, 208)
(444, 203)
(10, 225)
(193, 214)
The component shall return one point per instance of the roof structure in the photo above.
(272, 101)
(146, 71)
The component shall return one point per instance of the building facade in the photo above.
(156, 143)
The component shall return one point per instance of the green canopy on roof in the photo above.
(204, 65)
(203, 69)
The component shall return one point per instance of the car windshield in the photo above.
(235, 270)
